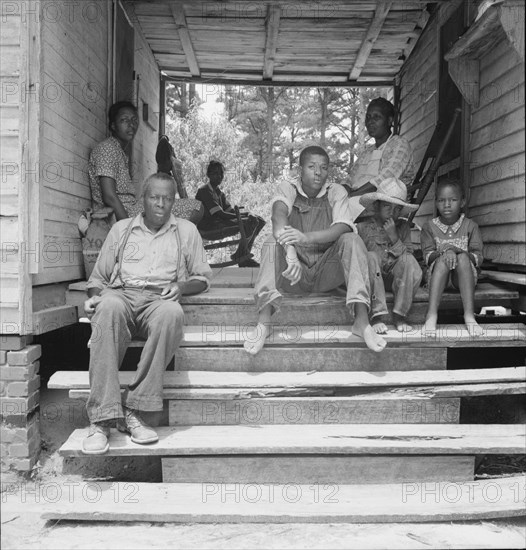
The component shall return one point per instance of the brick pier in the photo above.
(19, 402)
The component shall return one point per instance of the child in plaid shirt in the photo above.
(390, 251)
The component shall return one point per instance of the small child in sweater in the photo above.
(452, 248)
(390, 251)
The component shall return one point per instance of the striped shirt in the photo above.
(396, 162)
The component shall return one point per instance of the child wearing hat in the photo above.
(390, 251)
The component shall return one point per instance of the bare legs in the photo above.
(462, 277)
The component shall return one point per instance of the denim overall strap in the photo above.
(311, 214)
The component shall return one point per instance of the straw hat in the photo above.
(390, 190)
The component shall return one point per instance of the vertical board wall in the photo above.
(497, 147)
(15, 165)
(496, 144)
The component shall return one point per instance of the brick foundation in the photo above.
(19, 415)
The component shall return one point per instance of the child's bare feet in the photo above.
(473, 327)
(379, 327)
(400, 324)
(255, 342)
(430, 325)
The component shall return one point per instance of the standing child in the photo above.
(388, 240)
(452, 248)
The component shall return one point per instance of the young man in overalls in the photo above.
(314, 248)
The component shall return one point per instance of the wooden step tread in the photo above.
(348, 439)
(293, 359)
(236, 295)
(450, 336)
(290, 503)
(211, 379)
(390, 393)
(505, 277)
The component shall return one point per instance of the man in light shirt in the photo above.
(145, 265)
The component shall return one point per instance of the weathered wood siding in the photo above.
(496, 151)
(418, 101)
(13, 205)
(145, 142)
(497, 190)
(74, 119)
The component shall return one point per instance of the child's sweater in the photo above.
(464, 234)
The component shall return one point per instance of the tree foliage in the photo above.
(261, 133)
(278, 122)
(197, 140)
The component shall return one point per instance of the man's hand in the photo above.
(90, 305)
(171, 292)
(391, 230)
(293, 271)
(290, 235)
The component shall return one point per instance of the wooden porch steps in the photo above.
(314, 408)
(235, 305)
(299, 427)
(290, 503)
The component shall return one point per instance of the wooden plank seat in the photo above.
(282, 503)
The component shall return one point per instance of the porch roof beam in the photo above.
(362, 3)
(380, 15)
(284, 82)
(186, 41)
(271, 41)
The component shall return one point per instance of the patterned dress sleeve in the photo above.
(475, 244)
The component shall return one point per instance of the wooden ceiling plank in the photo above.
(380, 14)
(184, 35)
(271, 42)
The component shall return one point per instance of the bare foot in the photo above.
(431, 324)
(473, 327)
(379, 328)
(255, 342)
(400, 324)
(373, 341)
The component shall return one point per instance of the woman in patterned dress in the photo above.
(109, 164)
